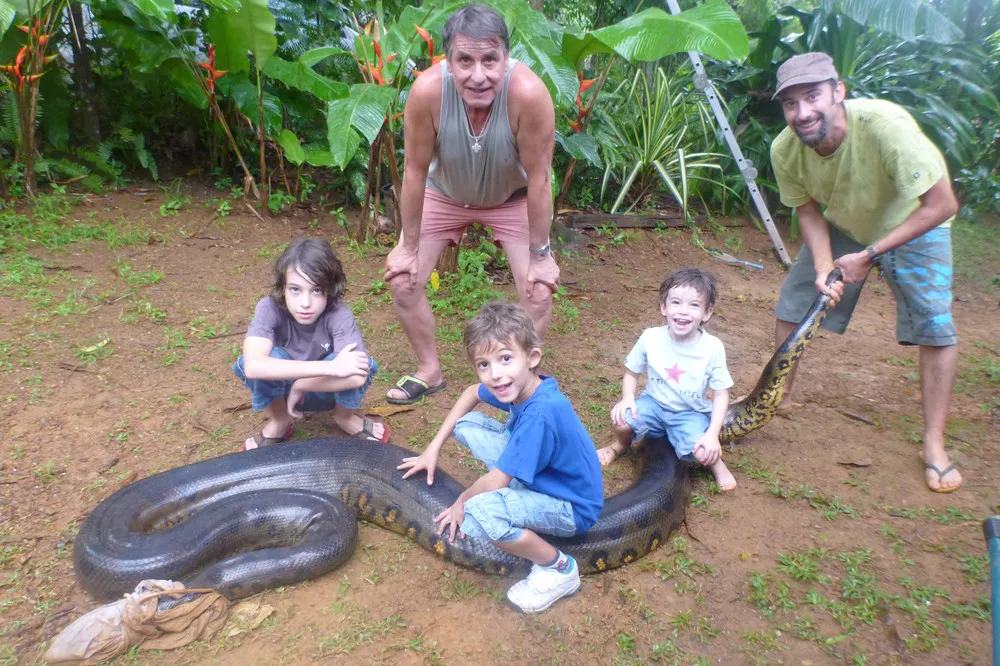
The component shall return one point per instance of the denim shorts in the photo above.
(265, 391)
(918, 272)
(683, 429)
(503, 515)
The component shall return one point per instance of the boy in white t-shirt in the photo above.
(681, 361)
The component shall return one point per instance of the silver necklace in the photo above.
(475, 146)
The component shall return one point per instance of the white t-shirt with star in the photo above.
(677, 376)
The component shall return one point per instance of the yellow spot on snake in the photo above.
(439, 547)
(391, 518)
(412, 533)
(362, 500)
(503, 571)
(656, 544)
(601, 564)
(628, 559)
(345, 494)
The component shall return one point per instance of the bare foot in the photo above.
(352, 424)
(607, 455)
(723, 477)
(939, 474)
(273, 429)
(432, 379)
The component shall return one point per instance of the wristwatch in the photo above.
(542, 251)
(872, 254)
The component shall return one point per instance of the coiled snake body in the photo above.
(246, 522)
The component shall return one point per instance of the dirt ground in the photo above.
(114, 365)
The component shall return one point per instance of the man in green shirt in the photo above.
(870, 189)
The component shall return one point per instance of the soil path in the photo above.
(114, 364)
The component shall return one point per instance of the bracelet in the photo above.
(872, 254)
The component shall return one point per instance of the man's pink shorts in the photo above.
(445, 219)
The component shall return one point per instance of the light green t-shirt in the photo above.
(873, 181)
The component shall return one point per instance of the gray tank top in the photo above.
(485, 177)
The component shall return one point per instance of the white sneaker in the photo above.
(543, 587)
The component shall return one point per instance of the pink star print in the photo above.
(674, 373)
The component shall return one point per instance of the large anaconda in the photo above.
(245, 522)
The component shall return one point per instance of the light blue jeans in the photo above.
(265, 391)
(503, 515)
(683, 429)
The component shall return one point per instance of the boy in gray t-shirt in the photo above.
(303, 351)
(681, 362)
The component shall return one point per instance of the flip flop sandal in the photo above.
(368, 432)
(941, 474)
(263, 442)
(415, 389)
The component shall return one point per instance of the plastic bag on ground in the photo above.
(113, 629)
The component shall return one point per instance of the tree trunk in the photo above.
(88, 120)
(448, 263)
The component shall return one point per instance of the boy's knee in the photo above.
(488, 519)
(470, 422)
(356, 381)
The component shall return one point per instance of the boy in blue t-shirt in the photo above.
(544, 476)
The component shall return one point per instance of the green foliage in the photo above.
(658, 142)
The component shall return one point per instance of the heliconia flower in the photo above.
(206, 65)
(23, 28)
(50, 58)
(575, 126)
(33, 77)
(21, 55)
(219, 74)
(43, 39)
(427, 38)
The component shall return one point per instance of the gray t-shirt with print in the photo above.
(332, 331)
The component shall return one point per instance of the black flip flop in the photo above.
(415, 389)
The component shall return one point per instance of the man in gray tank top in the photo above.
(478, 130)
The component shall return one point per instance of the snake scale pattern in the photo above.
(245, 522)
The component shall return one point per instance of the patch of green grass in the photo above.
(143, 309)
(975, 252)
(205, 329)
(975, 567)
(803, 567)
(358, 633)
(91, 353)
(46, 472)
(134, 278)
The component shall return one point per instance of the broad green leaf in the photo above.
(580, 147)
(364, 110)
(244, 94)
(313, 56)
(908, 19)
(293, 149)
(545, 59)
(320, 158)
(251, 29)
(185, 83)
(712, 29)
(298, 75)
(148, 49)
(158, 9)
(7, 13)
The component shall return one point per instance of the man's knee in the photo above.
(405, 288)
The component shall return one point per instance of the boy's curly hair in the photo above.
(315, 260)
(701, 281)
(499, 322)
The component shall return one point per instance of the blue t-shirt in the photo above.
(550, 452)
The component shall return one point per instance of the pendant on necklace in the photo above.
(476, 147)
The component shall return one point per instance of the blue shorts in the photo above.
(683, 429)
(503, 515)
(265, 391)
(918, 272)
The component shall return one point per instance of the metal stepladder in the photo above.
(747, 169)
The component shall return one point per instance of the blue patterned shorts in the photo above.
(919, 274)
